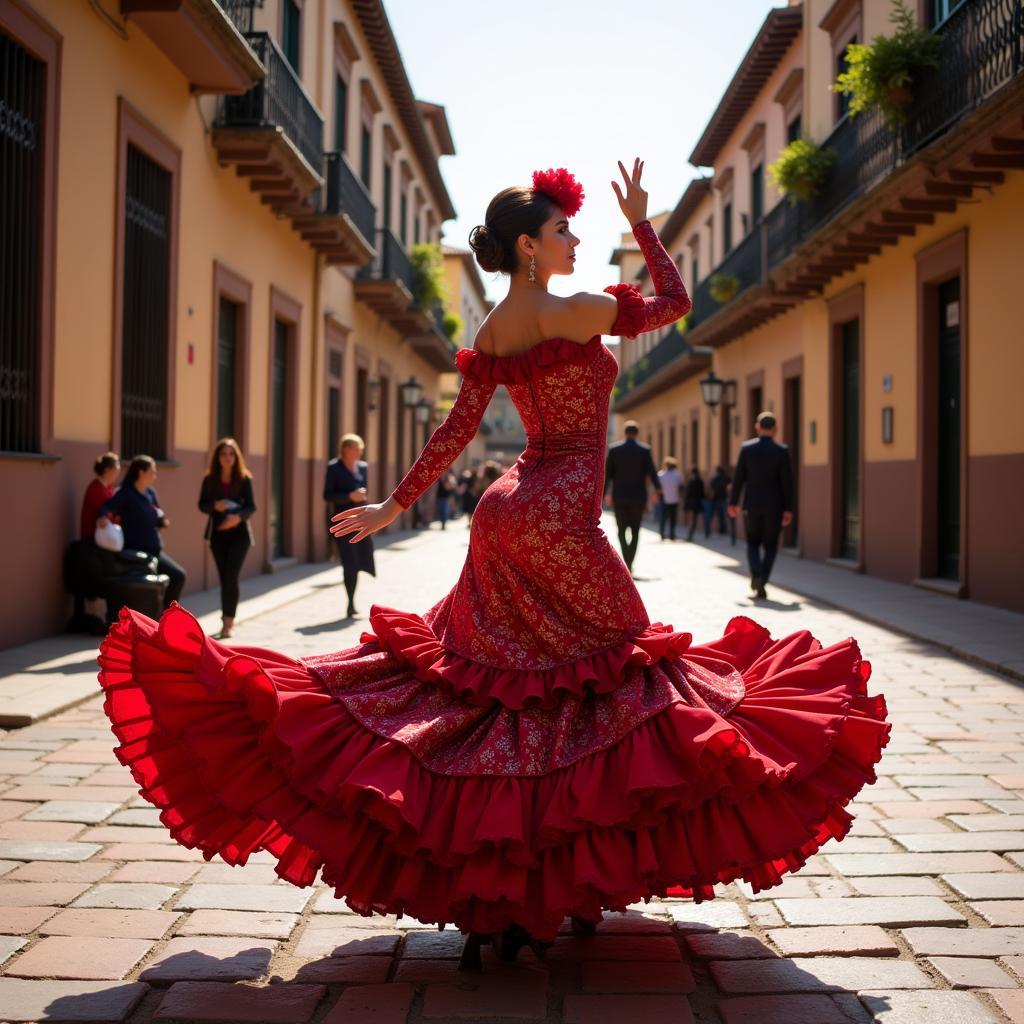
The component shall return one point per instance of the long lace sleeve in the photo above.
(454, 433)
(639, 313)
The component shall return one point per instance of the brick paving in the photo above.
(919, 913)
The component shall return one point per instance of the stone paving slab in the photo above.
(913, 1007)
(95, 1001)
(66, 957)
(219, 1001)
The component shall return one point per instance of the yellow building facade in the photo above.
(212, 210)
(875, 318)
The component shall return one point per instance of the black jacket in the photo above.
(627, 469)
(764, 477)
(240, 491)
(340, 482)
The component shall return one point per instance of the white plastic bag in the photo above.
(109, 537)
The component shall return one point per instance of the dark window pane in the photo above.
(842, 63)
(727, 228)
(227, 367)
(793, 129)
(387, 196)
(365, 160)
(757, 193)
(22, 93)
(291, 31)
(147, 239)
(340, 112)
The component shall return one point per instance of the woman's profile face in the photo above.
(556, 245)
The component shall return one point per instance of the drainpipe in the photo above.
(317, 358)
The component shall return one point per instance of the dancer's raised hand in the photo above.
(362, 520)
(634, 203)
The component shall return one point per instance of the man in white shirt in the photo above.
(670, 480)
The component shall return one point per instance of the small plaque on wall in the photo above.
(887, 415)
(812, 432)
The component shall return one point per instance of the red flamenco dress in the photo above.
(531, 747)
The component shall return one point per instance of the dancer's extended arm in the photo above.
(639, 313)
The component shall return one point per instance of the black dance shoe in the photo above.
(582, 927)
(471, 961)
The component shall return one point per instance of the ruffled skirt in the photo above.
(416, 783)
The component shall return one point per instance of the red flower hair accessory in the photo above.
(560, 186)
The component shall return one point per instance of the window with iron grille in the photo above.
(291, 33)
(340, 113)
(22, 165)
(144, 337)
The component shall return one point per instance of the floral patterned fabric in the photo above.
(532, 746)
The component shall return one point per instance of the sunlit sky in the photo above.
(573, 83)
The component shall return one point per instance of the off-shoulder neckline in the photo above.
(536, 344)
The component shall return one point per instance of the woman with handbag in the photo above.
(226, 496)
(100, 490)
(142, 519)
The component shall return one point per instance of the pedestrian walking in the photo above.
(346, 486)
(446, 488)
(467, 493)
(532, 747)
(764, 484)
(142, 519)
(627, 469)
(671, 480)
(226, 496)
(693, 501)
(716, 501)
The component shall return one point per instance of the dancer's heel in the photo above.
(582, 927)
(471, 961)
(514, 938)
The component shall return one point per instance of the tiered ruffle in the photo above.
(632, 318)
(246, 749)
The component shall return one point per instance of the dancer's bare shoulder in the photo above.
(579, 317)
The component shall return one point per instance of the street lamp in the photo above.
(372, 393)
(729, 393)
(711, 388)
(423, 409)
(412, 391)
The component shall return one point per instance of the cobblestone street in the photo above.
(917, 915)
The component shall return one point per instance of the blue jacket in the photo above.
(139, 518)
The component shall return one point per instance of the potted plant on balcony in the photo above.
(801, 169)
(682, 325)
(882, 75)
(428, 271)
(453, 324)
(723, 287)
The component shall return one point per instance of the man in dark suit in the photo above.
(627, 469)
(764, 478)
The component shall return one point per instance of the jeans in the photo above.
(229, 548)
(668, 518)
(168, 565)
(628, 516)
(443, 508)
(763, 529)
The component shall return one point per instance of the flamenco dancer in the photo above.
(532, 747)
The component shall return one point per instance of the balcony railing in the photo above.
(278, 101)
(391, 263)
(347, 194)
(744, 263)
(241, 12)
(981, 50)
(672, 347)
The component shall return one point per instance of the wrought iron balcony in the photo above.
(982, 42)
(388, 286)
(338, 219)
(241, 12)
(201, 37)
(742, 268)
(672, 359)
(278, 103)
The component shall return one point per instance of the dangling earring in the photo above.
(533, 269)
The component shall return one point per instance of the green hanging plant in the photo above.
(801, 169)
(682, 325)
(723, 287)
(429, 288)
(881, 75)
(453, 324)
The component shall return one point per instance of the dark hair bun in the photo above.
(488, 249)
